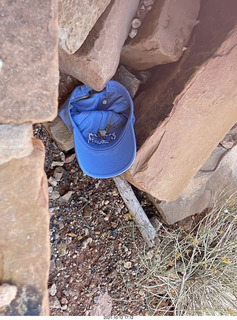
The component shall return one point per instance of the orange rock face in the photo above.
(96, 62)
(201, 116)
(76, 19)
(24, 241)
(163, 36)
(29, 61)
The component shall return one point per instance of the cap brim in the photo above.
(109, 162)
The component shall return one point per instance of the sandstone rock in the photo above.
(174, 152)
(15, 141)
(213, 161)
(230, 139)
(128, 80)
(161, 38)
(204, 189)
(76, 19)
(29, 55)
(7, 294)
(98, 58)
(66, 85)
(24, 243)
(60, 133)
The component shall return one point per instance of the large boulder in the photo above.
(199, 118)
(28, 61)
(96, 62)
(163, 35)
(24, 230)
(217, 179)
(76, 19)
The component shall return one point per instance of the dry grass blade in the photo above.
(196, 273)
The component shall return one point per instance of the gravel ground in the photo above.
(95, 246)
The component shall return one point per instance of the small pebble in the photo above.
(132, 33)
(66, 197)
(62, 250)
(53, 290)
(55, 304)
(54, 195)
(58, 173)
(64, 301)
(127, 265)
(52, 265)
(57, 164)
(61, 225)
(70, 158)
(62, 156)
(148, 3)
(52, 181)
(136, 23)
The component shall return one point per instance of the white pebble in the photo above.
(136, 23)
(132, 33)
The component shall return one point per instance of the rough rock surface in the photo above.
(60, 133)
(29, 61)
(24, 243)
(164, 34)
(66, 86)
(128, 80)
(207, 102)
(7, 294)
(206, 187)
(96, 62)
(15, 141)
(76, 19)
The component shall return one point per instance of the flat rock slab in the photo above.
(24, 243)
(76, 19)
(60, 133)
(204, 190)
(29, 61)
(201, 116)
(163, 35)
(97, 60)
(15, 141)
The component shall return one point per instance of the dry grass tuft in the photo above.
(195, 273)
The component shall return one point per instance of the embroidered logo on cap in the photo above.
(103, 136)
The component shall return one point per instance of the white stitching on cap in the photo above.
(94, 138)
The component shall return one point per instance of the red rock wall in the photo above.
(29, 91)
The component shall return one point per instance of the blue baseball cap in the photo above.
(102, 128)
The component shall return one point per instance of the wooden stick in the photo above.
(147, 230)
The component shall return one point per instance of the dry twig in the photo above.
(143, 223)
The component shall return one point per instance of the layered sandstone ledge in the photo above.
(185, 111)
